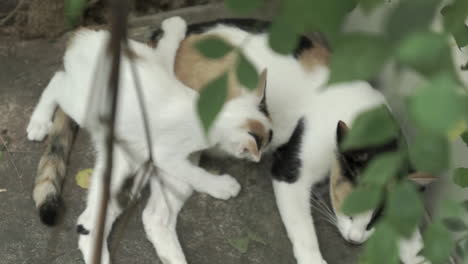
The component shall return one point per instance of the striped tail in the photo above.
(52, 168)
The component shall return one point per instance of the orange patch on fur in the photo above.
(195, 71)
(258, 129)
(318, 55)
(340, 187)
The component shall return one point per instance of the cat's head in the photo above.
(243, 127)
(344, 178)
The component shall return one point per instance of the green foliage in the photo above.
(358, 57)
(460, 177)
(410, 17)
(404, 208)
(74, 11)
(379, 121)
(211, 100)
(382, 243)
(464, 137)
(243, 6)
(361, 200)
(429, 152)
(454, 224)
(213, 47)
(246, 73)
(369, 5)
(382, 169)
(440, 92)
(454, 21)
(425, 52)
(281, 38)
(465, 205)
(438, 244)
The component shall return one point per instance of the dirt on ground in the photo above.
(46, 18)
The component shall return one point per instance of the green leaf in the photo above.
(369, 5)
(440, 92)
(243, 6)
(460, 177)
(449, 209)
(371, 128)
(241, 244)
(466, 247)
(411, 16)
(211, 100)
(404, 208)
(438, 244)
(454, 224)
(361, 200)
(74, 11)
(256, 237)
(282, 39)
(426, 52)
(213, 47)
(358, 57)
(464, 137)
(382, 168)
(382, 243)
(247, 73)
(454, 16)
(465, 205)
(1, 155)
(429, 152)
(460, 251)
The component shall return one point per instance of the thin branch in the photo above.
(12, 13)
(12, 162)
(118, 33)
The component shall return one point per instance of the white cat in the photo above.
(175, 129)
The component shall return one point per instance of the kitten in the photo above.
(173, 114)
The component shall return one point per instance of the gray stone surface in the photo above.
(205, 225)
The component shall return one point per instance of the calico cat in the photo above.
(173, 112)
(294, 83)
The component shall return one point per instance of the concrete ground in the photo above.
(207, 228)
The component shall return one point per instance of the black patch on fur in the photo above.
(250, 25)
(262, 107)
(49, 210)
(81, 230)
(286, 160)
(56, 147)
(270, 136)
(258, 140)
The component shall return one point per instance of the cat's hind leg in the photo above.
(174, 29)
(86, 225)
(160, 217)
(41, 119)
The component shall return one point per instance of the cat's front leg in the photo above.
(410, 248)
(293, 201)
(219, 186)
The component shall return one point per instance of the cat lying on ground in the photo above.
(174, 126)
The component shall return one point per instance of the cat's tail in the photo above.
(52, 168)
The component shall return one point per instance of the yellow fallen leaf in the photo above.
(457, 130)
(83, 177)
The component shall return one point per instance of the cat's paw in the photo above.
(175, 26)
(38, 129)
(224, 187)
(416, 260)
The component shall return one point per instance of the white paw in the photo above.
(174, 26)
(416, 260)
(38, 129)
(224, 187)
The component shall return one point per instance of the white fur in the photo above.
(175, 129)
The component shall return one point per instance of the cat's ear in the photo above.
(261, 92)
(261, 85)
(341, 131)
(422, 178)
